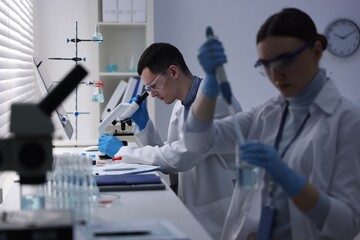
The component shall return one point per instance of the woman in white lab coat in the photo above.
(304, 142)
(206, 182)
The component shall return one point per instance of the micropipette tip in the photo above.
(209, 32)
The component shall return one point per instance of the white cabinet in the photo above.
(122, 46)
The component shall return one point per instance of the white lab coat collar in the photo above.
(329, 101)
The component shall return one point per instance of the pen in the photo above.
(118, 169)
(122, 233)
(116, 158)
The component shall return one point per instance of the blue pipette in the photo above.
(225, 88)
(247, 174)
(224, 85)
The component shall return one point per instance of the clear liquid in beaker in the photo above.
(32, 196)
(248, 176)
(32, 202)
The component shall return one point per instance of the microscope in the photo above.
(122, 113)
(28, 151)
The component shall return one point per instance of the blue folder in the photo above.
(129, 182)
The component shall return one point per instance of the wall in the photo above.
(54, 23)
(183, 24)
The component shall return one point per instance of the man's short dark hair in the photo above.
(159, 56)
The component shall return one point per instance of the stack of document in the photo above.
(127, 177)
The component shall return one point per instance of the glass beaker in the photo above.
(248, 175)
(32, 196)
(97, 36)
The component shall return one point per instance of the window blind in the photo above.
(17, 83)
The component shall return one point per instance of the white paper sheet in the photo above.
(122, 168)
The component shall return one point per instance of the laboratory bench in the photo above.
(132, 206)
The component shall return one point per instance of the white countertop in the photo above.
(133, 206)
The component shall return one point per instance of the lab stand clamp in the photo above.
(98, 95)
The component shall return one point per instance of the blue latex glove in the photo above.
(109, 145)
(266, 156)
(141, 116)
(211, 55)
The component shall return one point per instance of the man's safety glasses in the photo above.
(155, 85)
(281, 63)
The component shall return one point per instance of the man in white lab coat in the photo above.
(205, 184)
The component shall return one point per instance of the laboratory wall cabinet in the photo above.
(123, 43)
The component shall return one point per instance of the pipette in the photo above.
(225, 88)
(220, 73)
(246, 172)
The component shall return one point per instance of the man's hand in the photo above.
(211, 55)
(109, 145)
(141, 116)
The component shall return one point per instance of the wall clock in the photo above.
(343, 37)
